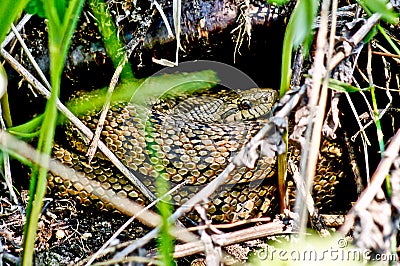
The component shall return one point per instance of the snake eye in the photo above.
(245, 105)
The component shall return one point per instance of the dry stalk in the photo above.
(239, 236)
(349, 45)
(19, 26)
(313, 133)
(107, 100)
(30, 57)
(377, 179)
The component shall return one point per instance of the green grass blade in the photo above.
(114, 46)
(381, 6)
(60, 29)
(165, 240)
(35, 7)
(298, 31)
(4, 97)
(278, 2)
(152, 87)
(29, 128)
(379, 133)
(10, 11)
(338, 85)
(389, 40)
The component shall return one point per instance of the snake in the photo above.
(187, 138)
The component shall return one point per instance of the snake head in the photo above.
(224, 106)
(249, 105)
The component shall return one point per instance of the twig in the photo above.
(231, 225)
(19, 26)
(114, 81)
(354, 165)
(390, 154)
(164, 18)
(313, 134)
(30, 57)
(239, 236)
(300, 185)
(394, 56)
(349, 45)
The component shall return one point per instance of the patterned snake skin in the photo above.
(187, 138)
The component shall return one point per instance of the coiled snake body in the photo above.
(185, 138)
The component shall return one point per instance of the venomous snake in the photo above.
(189, 138)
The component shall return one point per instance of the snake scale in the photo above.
(189, 138)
